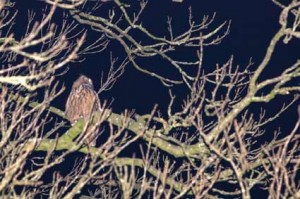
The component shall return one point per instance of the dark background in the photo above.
(253, 24)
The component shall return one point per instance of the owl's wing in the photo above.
(92, 104)
(97, 105)
(72, 106)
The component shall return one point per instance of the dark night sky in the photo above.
(253, 23)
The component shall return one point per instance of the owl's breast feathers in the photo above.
(82, 101)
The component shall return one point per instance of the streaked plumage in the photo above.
(82, 102)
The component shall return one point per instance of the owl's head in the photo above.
(83, 80)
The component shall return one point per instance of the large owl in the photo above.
(81, 103)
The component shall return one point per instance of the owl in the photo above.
(81, 103)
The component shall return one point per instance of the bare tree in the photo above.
(214, 146)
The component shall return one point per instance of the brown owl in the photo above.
(81, 103)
